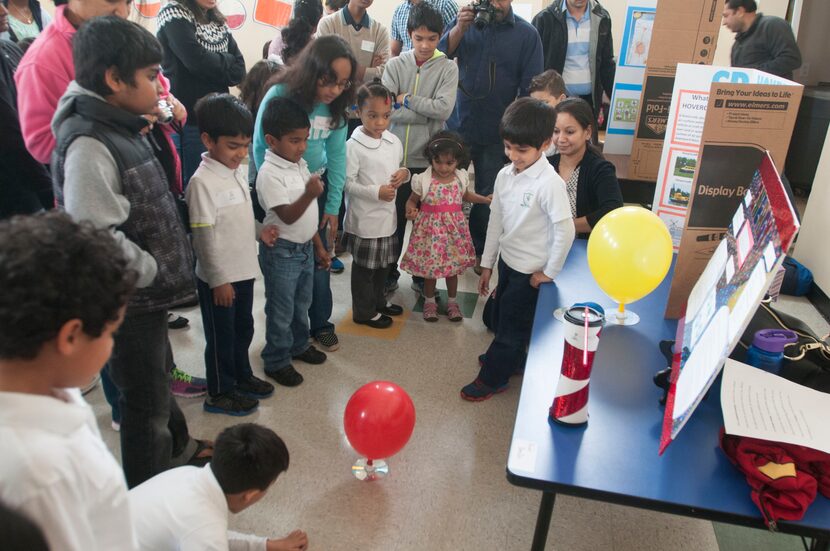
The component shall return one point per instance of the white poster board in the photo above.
(681, 146)
(628, 82)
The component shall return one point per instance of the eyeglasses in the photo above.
(331, 83)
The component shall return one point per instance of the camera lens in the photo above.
(482, 19)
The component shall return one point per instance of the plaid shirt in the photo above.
(447, 8)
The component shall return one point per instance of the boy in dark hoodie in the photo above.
(104, 171)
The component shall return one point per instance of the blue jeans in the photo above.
(154, 435)
(512, 322)
(190, 148)
(488, 160)
(322, 304)
(288, 270)
(228, 335)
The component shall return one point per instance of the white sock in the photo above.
(377, 317)
(429, 300)
(451, 300)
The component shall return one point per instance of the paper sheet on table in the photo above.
(762, 405)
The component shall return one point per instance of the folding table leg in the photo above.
(820, 544)
(540, 535)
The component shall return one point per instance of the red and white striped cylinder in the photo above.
(570, 404)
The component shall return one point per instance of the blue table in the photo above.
(614, 457)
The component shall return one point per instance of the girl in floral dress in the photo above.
(440, 245)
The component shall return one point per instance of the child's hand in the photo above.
(488, 199)
(295, 541)
(537, 278)
(223, 295)
(411, 213)
(386, 193)
(323, 257)
(484, 282)
(314, 186)
(269, 235)
(399, 177)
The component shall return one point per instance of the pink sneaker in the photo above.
(430, 311)
(454, 312)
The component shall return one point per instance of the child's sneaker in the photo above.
(328, 340)
(175, 321)
(187, 386)
(231, 403)
(254, 387)
(454, 312)
(311, 356)
(337, 266)
(287, 376)
(477, 391)
(430, 311)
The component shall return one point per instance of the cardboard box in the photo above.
(743, 121)
(685, 31)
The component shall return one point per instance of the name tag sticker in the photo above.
(367, 46)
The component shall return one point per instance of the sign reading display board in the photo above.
(685, 31)
(743, 121)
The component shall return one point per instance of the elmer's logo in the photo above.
(737, 77)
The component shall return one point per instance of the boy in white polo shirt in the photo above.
(65, 289)
(224, 238)
(532, 230)
(287, 193)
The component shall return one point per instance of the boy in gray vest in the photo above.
(104, 171)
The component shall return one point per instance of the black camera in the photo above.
(485, 13)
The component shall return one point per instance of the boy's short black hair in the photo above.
(550, 81)
(248, 457)
(104, 42)
(283, 115)
(748, 5)
(527, 121)
(223, 115)
(424, 15)
(55, 270)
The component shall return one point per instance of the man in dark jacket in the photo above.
(762, 42)
(577, 42)
(25, 185)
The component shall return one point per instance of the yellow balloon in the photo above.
(629, 253)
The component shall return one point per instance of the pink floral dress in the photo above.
(440, 245)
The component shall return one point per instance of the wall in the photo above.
(814, 42)
(811, 247)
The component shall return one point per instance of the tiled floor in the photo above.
(447, 489)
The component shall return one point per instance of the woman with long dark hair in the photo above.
(590, 180)
(291, 39)
(321, 81)
(200, 57)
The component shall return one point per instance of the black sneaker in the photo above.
(328, 340)
(381, 323)
(231, 403)
(255, 387)
(311, 356)
(175, 321)
(287, 376)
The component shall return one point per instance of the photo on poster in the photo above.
(625, 109)
(639, 37)
(674, 222)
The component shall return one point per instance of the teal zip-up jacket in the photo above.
(433, 87)
(326, 147)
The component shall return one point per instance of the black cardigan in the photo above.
(597, 189)
(198, 59)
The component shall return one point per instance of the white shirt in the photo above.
(421, 182)
(370, 163)
(530, 220)
(185, 509)
(221, 214)
(281, 182)
(57, 471)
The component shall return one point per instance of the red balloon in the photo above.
(379, 419)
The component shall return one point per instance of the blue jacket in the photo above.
(495, 65)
